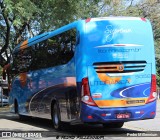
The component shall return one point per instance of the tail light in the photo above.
(153, 94)
(86, 97)
(143, 19)
(88, 20)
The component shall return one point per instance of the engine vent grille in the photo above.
(119, 66)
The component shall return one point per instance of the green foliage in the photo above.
(15, 18)
(1, 69)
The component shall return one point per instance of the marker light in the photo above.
(90, 117)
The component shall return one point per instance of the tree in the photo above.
(15, 18)
(23, 19)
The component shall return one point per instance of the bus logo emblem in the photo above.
(111, 31)
(121, 68)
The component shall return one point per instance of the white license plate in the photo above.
(123, 116)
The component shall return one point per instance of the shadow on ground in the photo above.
(84, 129)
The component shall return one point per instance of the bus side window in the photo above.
(57, 50)
(22, 61)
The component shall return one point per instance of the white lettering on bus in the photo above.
(111, 32)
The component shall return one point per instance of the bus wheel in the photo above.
(113, 125)
(56, 117)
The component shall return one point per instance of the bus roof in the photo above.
(115, 18)
(44, 36)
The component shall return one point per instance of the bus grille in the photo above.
(119, 66)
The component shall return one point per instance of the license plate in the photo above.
(123, 116)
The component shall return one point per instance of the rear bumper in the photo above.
(147, 111)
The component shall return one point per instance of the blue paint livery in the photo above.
(114, 54)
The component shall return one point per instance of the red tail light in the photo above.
(143, 19)
(153, 94)
(86, 97)
(88, 20)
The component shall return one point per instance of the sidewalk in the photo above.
(4, 108)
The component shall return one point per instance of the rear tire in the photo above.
(113, 125)
(56, 117)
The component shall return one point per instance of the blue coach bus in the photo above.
(98, 70)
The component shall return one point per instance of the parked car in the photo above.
(4, 99)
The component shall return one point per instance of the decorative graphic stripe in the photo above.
(71, 81)
(125, 71)
(120, 74)
(24, 45)
(121, 92)
(144, 92)
(121, 103)
(118, 45)
(134, 91)
(105, 78)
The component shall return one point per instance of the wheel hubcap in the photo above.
(56, 120)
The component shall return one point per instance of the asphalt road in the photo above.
(10, 122)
